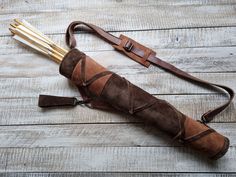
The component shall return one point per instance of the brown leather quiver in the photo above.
(105, 89)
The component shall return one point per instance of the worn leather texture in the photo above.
(46, 101)
(112, 91)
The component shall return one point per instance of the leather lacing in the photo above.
(86, 83)
(132, 110)
(181, 134)
(89, 98)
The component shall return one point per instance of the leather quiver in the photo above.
(107, 90)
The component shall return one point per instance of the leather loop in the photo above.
(145, 56)
(70, 39)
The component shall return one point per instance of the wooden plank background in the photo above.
(198, 36)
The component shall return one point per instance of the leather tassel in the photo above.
(46, 101)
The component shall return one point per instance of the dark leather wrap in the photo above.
(117, 92)
(107, 88)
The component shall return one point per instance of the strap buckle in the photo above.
(134, 50)
(128, 46)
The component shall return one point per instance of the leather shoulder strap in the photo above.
(146, 56)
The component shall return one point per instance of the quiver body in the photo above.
(107, 90)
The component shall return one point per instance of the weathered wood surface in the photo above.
(12, 6)
(215, 59)
(155, 39)
(113, 159)
(82, 135)
(112, 174)
(141, 17)
(196, 36)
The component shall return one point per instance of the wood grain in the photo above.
(215, 59)
(112, 159)
(155, 39)
(26, 111)
(81, 135)
(143, 18)
(112, 174)
(13, 6)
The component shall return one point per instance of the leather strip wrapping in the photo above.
(109, 90)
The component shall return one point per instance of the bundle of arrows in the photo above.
(29, 35)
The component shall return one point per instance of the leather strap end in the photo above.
(55, 101)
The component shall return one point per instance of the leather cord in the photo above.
(143, 55)
(84, 91)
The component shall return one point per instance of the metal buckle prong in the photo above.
(128, 46)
